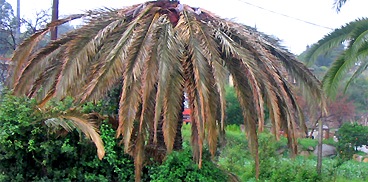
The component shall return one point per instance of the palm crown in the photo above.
(155, 51)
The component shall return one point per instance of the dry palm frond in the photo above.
(73, 119)
(156, 51)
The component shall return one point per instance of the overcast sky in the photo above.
(264, 14)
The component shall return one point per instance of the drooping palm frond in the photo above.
(73, 119)
(355, 34)
(158, 51)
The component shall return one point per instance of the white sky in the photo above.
(295, 35)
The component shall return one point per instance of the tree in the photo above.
(7, 29)
(155, 51)
(350, 137)
(357, 93)
(340, 110)
(353, 34)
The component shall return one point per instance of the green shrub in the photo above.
(353, 170)
(294, 170)
(29, 151)
(233, 128)
(351, 136)
(179, 166)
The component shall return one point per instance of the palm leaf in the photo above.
(77, 120)
(23, 52)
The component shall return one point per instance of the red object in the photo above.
(186, 112)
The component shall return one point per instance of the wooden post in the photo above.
(319, 152)
(17, 33)
(55, 16)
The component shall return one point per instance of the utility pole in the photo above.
(17, 33)
(55, 16)
(319, 152)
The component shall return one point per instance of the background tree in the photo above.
(357, 93)
(350, 137)
(7, 29)
(340, 110)
(155, 51)
(353, 34)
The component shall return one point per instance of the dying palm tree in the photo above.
(157, 51)
(354, 34)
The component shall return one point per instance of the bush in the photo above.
(351, 136)
(29, 151)
(353, 170)
(179, 166)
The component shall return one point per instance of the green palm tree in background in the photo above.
(354, 34)
(156, 51)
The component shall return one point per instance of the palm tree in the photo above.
(156, 51)
(354, 34)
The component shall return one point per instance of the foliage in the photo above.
(235, 155)
(31, 151)
(234, 114)
(273, 167)
(179, 166)
(358, 93)
(353, 170)
(297, 170)
(234, 159)
(8, 27)
(267, 153)
(351, 136)
(340, 110)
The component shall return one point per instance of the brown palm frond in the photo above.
(133, 80)
(115, 57)
(76, 62)
(24, 51)
(215, 82)
(39, 64)
(80, 121)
